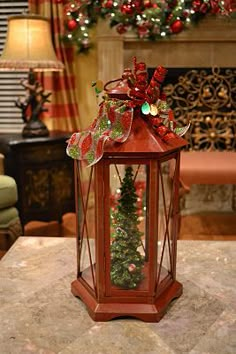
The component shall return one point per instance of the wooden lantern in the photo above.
(127, 250)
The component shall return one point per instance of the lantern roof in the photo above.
(144, 141)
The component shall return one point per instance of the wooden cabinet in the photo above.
(43, 172)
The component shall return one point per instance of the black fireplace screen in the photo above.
(206, 97)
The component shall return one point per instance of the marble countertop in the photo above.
(40, 315)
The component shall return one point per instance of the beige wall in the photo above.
(86, 73)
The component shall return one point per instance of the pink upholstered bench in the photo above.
(208, 167)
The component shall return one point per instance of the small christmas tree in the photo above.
(126, 260)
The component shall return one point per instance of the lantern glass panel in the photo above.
(165, 221)
(128, 246)
(86, 226)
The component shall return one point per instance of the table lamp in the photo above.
(29, 47)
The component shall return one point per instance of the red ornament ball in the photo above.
(148, 3)
(126, 9)
(177, 26)
(132, 268)
(196, 5)
(142, 31)
(107, 4)
(71, 24)
(137, 4)
(121, 28)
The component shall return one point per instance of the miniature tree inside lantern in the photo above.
(126, 259)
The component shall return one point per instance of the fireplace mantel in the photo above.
(210, 43)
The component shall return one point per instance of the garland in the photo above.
(148, 19)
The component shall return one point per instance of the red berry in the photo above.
(169, 136)
(161, 130)
(156, 122)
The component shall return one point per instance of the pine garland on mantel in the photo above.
(148, 19)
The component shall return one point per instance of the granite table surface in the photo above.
(38, 313)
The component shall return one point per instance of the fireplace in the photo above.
(209, 46)
(210, 43)
(204, 52)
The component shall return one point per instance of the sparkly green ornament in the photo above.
(145, 108)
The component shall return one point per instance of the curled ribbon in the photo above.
(114, 123)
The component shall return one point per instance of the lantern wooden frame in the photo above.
(103, 300)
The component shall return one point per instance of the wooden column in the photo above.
(110, 52)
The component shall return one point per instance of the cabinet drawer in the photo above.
(43, 153)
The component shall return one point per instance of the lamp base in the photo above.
(35, 129)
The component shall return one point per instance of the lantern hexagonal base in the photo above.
(147, 312)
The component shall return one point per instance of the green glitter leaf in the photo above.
(74, 152)
(90, 157)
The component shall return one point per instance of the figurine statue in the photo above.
(32, 107)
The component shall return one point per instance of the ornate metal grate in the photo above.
(207, 98)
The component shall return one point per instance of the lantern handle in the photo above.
(111, 82)
(123, 86)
